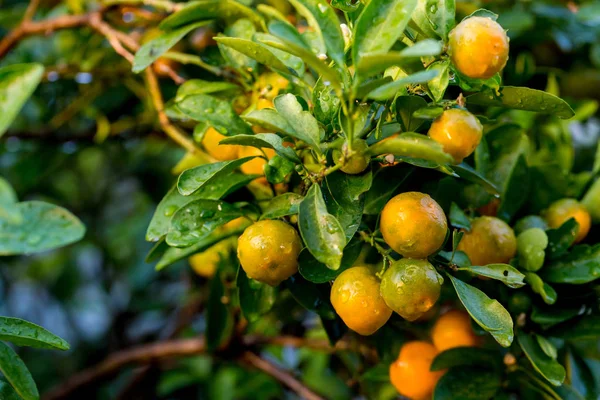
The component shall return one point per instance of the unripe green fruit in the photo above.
(411, 287)
(355, 163)
(531, 246)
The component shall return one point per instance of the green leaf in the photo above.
(488, 313)
(243, 29)
(305, 126)
(264, 140)
(218, 113)
(17, 83)
(278, 168)
(437, 86)
(282, 205)
(540, 287)
(467, 356)
(458, 218)
(586, 327)
(229, 10)
(550, 316)
(7, 392)
(326, 103)
(44, 226)
(316, 272)
(152, 50)
(505, 273)
(174, 254)
(405, 108)
(311, 296)
(322, 18)
(196, 178)
(282, 42)
(380, 25)
(561, 238)
(269, 118)
(412, 145)
(546, 366)
(346, 5)
(198, 219)
(435, 16)
(294, 64)
(25, 333)
(219, 320)
(515, 190)
(255, 298)
(344, 196)
(173, 201)
(389, 90)
(466, 172)
(547, 347)
(8, 203)
(467, 383)
(372, 64)
(522, 98)
(385, 183)
(581, 265)
(199, 86)
(322, 233)
(17, 374)
(255, 51)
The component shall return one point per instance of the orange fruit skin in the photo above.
(356, 299)
(453, 329)
(268, 251)
(222, 152)
(410, 373)
(458, 131)
(562, 210)
(270, 84)
(413, 224)
(478, 47)
(490, 241)
(205, 264)
(256, 166)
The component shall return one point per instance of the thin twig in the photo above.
(284, 377)
(138, 355)
(157, 100)
(31, 9)
(110, 34)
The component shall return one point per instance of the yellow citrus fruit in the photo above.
(222, 152)
(413, 224)
(255, 166)
(205, 264)
(478, 47)
(410, 373)
(411, 287)
(270, 84)
(458, 131)
(562, 210)
(356, 298)
(268, 251)
(490, 241)
(453, 329)
(355, 163)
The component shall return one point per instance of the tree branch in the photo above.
(137, 355)
(282, 376)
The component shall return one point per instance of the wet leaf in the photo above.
(264, 140)
(311, 296)
(322, 233)
(467, 383)
(405, 108)
(44, 226)
(435, 16)
(581, 265)
(282, 205)
(372, 64)
(305, 126)
(243, 29)
(437, 86)
(385, 183)
(412, 145)
(561, 238)
(228, 10)
(540, 287)
(316, 272)
(8, 203)
(488, 313)
(458, 218)
(199, 86)
(198, 177)
(25, 333)
(255, 298)
(467, 356)
(504, 273)
(255, 51)
(390, 90)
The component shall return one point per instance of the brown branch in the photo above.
(157, 100)
(143, 354)
(110, 34)
(282, 376)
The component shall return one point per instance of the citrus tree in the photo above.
(366, 181)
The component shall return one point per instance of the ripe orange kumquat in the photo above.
(490, 241)
(458, 131)
(410, 373)
(222, 152)
(453, 329)
(562, 210)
